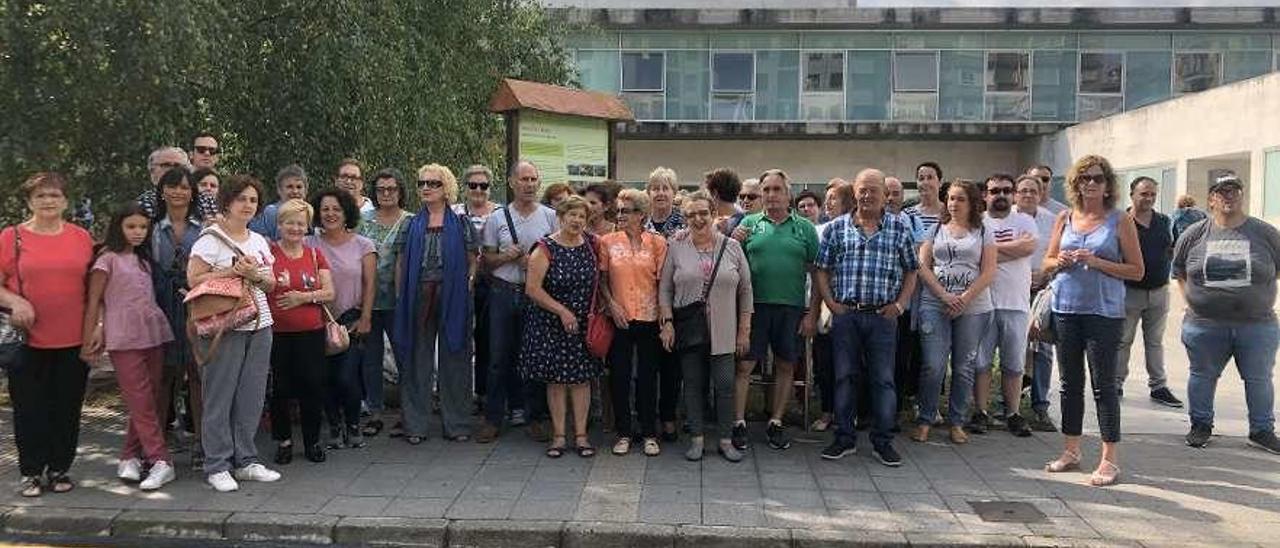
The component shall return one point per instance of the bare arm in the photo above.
(93, 313)
(23, 314)
(325, 293)
(1023, 246)
(199, 272)
(1131, 267)
(368, 282)
(986, 274)
(925, 272)
(1053, 261)
(539, 263)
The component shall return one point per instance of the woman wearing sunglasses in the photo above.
(476, 208)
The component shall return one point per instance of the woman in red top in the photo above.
(43, 265)
(303, 282)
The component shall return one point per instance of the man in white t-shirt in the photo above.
(1028, 203)
(1015, 237)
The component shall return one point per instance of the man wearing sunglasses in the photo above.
(1044, 174)
(204, 151)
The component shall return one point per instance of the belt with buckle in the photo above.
(863, 307)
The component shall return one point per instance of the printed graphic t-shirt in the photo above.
(1230, 272)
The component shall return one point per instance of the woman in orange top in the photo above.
(631, 261)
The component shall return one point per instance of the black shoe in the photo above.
(284, 454)
(1017, 426)
(839, 449)
(1120, 392)
(888, 456)
(315, 453)
(739, 436)
(1163, 396)
(670, 437)
(777, 435)
(1042, 422)
(1265, 441)
(1199, 435)
(979, 423)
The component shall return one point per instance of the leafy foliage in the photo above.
(90, 87)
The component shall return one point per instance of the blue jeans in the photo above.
(1042, 373)
(945, 337)
(1209, 344)
(506, 313)
(343, 385)
(371, 366)
(863, 344)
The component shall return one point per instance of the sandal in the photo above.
(584, 448)
(397, 430)
(30, 487)
(1110, 477)
(959, 436)
(821, 424)
(651, 447)
(622, 446)
(372, 428)
(1068, 461)
(920, 434)
(60, 482)
(557, 449)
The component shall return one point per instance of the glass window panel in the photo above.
(1148, 80)
(598, 70)
(1271, 184)
(1053, 86)
(688, 85)
(645, 105)
(1030, 40)
(1221, 41)
(1195, 71)
(1101, 72)
(1008, 71)
(1092, 107)
(960, 90)
(777, 85)
(846, 40)
(824, 71)
(731, 71)
(1240, 65)
(642, 71)
(731, 106)
(755, 40)
(1168, 189)
(1008, 106)
(915, 71)
(938, 40)
(1104, 40)
(664, 40)
(587, 39)
(822, 106)
(915, 106)
(867, 94)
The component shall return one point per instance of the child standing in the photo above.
(123, 319)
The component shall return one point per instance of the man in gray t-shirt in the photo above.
(1226, 267)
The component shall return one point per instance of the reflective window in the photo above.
(1101, 72)
(732, 106)
(1092, 107)
(915, 106)
(824, 72)
(645, 105)
(688, 84)
(1271, 184)
(960, 95)
(1008, 71)
(1148, 80)
(823, 106)
(1196, 71)
(1009, 106)
(777, 90)
(1239, 65)
(642, 71)
(868, 90)
(732, 71)
(1053, 86)
(598, 70)
(915, 71)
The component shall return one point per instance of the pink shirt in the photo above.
(131, 318)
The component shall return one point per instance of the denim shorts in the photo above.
(776, 326)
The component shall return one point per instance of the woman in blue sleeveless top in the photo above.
(1094, 249)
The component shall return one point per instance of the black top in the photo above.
(1157, 252)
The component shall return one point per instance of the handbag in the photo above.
(1042, 328)
(599, 326)
(336, 337)
(689, 322)
(13, 339)
(218, 304)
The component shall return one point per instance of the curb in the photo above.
(115, 525)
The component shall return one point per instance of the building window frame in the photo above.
(1028, 92)
(657, 96)
(713, 93)
(1174, 88)
(895, 92)
(805, 94)
(1080, 93)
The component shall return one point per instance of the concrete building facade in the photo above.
(822, 88)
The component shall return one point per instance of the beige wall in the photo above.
(814, 161)
(1191, 133)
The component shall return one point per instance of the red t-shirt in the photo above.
(300, 274)
(54, 267)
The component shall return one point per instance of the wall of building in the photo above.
(814, 161)
(1229, 127)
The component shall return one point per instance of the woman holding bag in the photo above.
(706, 275)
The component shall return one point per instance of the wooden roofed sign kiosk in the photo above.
(568, 133)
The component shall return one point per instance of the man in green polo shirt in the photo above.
(780, 246)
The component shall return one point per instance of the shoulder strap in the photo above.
(511, 226)
(706, 287)
(222, 238)
(17, 257)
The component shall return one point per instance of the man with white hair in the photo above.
(160, 161)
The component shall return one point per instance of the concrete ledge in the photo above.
(1079, 542)
(170, 524)
(256, 526)
(721, 536)
(941, 540)
(832, 538)
(504, 533)
(393, 531)
(76, 522)
(618, 535)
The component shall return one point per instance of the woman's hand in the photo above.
(92, 347)
(1087, 257)
(363, 326)
(292, 299)
(246, 267)
(569, 321)
(22, 315)
(955, 303)
(619, 314)
(667, 335)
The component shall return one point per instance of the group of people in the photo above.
(635, 302)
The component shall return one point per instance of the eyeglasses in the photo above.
(748, 196)
(699, 213)
(212, 151)
(1027, 191)
(627, 210)
(430, 183)
(169, 165)
(999, 191)
(348, 177)
(1228, 191)
(1087, 178)
(388, 189)
(478, 186)
(1045, 178)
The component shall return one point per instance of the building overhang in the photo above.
(912, 131)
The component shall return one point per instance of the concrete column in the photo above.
(1254, 186)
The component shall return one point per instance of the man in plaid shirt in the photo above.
(866, 274)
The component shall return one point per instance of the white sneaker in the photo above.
(257, 472)
(222, 482)
(129, 470)
(160, 474)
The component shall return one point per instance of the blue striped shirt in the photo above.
(867, 270)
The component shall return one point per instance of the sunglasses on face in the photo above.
(478, 186)
(1087, 178)
(212, 151)
(999, 191)
(748, 196)
(627, 210)
(1045, 178)
(388, 189)
(430, 183)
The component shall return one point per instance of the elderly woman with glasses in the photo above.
(382, 226)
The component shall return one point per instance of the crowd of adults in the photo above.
(639, 309)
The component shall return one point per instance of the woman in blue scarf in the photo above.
(433, 285)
